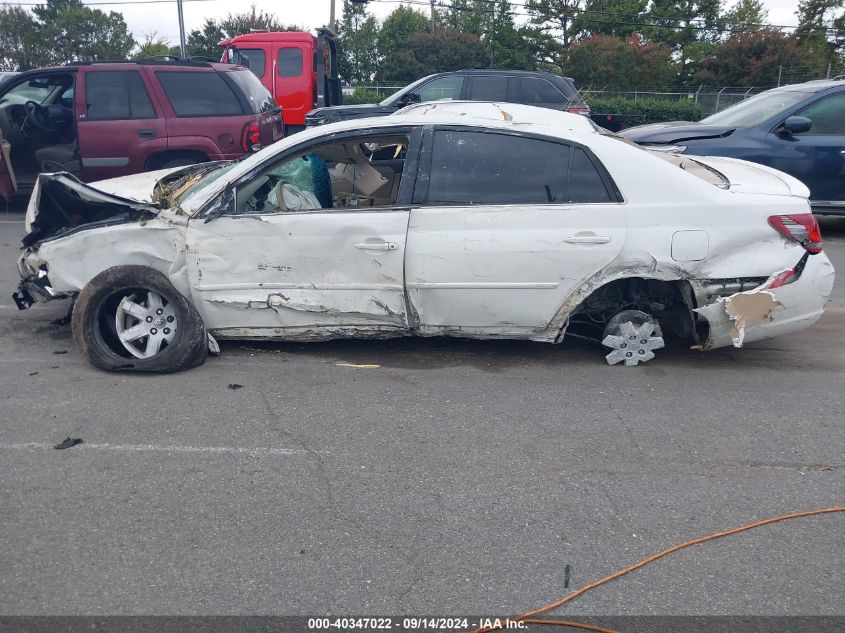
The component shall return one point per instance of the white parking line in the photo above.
(254, 451)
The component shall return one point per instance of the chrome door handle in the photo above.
(377, 246)
(587, 239)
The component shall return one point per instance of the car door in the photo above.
(118, 123)
(816, 157)
(309, 273)
(508, 226)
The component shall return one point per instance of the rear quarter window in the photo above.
(200, 94)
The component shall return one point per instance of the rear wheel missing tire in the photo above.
(132, 318)
(633, 336)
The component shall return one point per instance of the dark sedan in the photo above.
(798, 129)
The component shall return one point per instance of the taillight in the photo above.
(578, 110)
(251, 137)
(801, 228)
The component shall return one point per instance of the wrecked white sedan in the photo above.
(487, 221)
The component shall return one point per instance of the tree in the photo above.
(614, 63)
(446, 49)
(397, 29)
(358, 35)
(818, 20)
(19, 44)
(620, 18)
(153, 46)
(555, 27)
(745, 15)
(68, 31)
(756, 59)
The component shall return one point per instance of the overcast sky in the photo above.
(161, 18)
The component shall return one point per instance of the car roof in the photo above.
(499, 71)
(498, 111)
(813, 86)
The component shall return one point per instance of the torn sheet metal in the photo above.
(745, 309)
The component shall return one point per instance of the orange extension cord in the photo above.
(528, 616)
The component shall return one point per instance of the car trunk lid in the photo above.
(747, 177)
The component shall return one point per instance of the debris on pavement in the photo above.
(213, 346)
(68, 442)
(233, 386)
(33, 373)
(60, 351)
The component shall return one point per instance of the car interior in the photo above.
(352, 173)
(37, 127)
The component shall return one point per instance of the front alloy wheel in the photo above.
(145, 323)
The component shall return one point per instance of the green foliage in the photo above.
(620, 18)
(366, 95)
(447, 49)
(613, 63)
(357, 44)
(153, 46)
(58, 32)
(648, 110)
(20, 48)
(745, 15)
(756, 59)
(397, 28)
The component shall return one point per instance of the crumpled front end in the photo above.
(75, 231)
(742, 311)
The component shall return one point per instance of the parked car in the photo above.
(540, 89)
(797, 129)
(523, 223)
(101, 120)
(299, 69)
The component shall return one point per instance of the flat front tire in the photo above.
(132, 318)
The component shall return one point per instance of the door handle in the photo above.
(146, 133)
(587, 239)
(377, 246)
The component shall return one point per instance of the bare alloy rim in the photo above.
(145, 323)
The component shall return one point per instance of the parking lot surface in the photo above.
(443, 476)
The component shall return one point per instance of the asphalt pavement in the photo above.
(455, 477)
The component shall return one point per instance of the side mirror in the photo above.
(796, 125)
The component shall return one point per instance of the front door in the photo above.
(311, 247)
(509, 226)
(816, 157)
(8, 186)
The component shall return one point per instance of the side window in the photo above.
(490, 168)
(586, 184)
(117, 95)
(443, 89)
(252, 58)
(362, 172)
(540, 91)
(827, 115)
(489, 88)
(290, 62)
(197, 94)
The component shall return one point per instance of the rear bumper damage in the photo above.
(746, 310)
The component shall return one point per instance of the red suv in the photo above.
(102, 120)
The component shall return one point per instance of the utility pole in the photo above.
(432, 14)
(182, 49)
(331, 17)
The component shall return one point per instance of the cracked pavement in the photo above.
(457, 477)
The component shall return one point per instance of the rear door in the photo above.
(508, 226)
(119, 124)
(816, 157)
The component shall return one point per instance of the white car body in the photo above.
(481, 270)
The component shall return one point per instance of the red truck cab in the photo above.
(298, 68)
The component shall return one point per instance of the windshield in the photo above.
(409, 88)
(757, 109)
